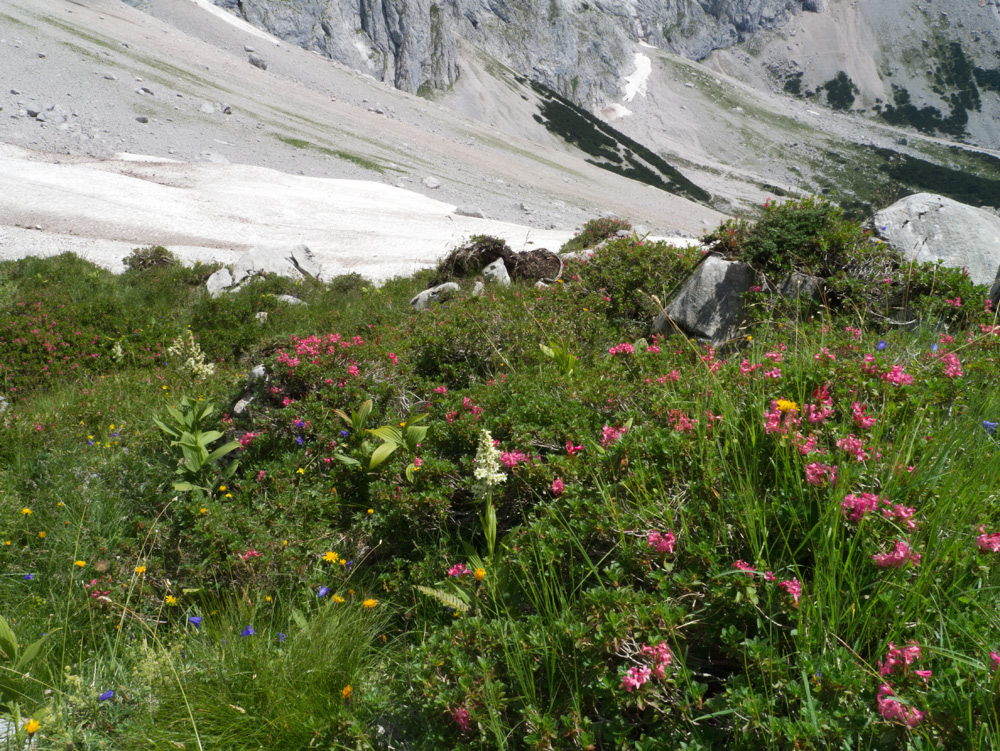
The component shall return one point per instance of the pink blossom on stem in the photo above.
(995, 660)
(636, 677)
(459, 569)
(854, 507)
(611, 435)
(573, 450)
(854, 446)
(862, 420)
(988, 543)
(897, 376)
(896, 711)
(558, 486)
(621, 349)
(769, 576)
(821, 474)
(745, 567)
(662, 543)
(952, 366)
(901, 555)
(793, 587)
(661, 658)
(900, 513)
(462, 718)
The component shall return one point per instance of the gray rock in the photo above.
(431, 182)
(33, 111)
(527, 209)
(4, 406)
(219, 282)
(496, 273)
(994, 293)
(434, 294)
(469, 211)
(248, 48)
(262, 261)
(290, 300)
(207, 107)
(110, 77)
(142, 119)
(797, 284)
(241, 406)
(146, 90)
(41, 117)
(477, 289)
(304, 260)
(257, 61)
(710, 305)
(15, 92)
(927, 228)
(259, 373)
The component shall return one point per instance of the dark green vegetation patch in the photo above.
(610, 149)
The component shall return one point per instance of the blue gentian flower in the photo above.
(323, 592)
(881, 345)
(281, 636)
(298, 439)
(248, 631)
(106, 695)
(344, 434)
(29, 577)
(990, 427)
(934, 348)
(195, 620)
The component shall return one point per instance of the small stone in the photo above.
(15, 92)
(110, 77)
(248, 48)
(142, 119)
(41, 55)
(257, 61)
(207, 107)
(431, 182)
(469, 211)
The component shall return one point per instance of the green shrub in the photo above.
(594, 231)
(141, 259)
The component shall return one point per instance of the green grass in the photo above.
(357, 159)
(674, 437)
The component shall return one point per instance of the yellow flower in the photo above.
(204, 510)
(346, 692)
(26, 511)
(785, 405)
(79, 564)
(170, 600)
(229, 495)
(164, 388)
(331, 557)
(8, 542)
(140, 569)
(343, 563)
(338, 598)
(60, 504)
(267, 598)
(32, 727)
(42, 534)
(370, 603)
(479, 574)
(222, 488)
(300, 471)
(284, 543)
(371, 511)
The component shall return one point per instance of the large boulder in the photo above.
(928, 228)
(710, 305)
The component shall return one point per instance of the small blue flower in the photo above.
(195, 620)
(29, 577)
(248, 631)
(299, 424)
(323, 592)
(881, 345)
(344, 434)
(281, 636)
(298, 439)
(106, 695)
(934, 348)
(990, 427)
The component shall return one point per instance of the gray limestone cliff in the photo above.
(578, 48)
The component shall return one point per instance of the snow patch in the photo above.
(636, 83)
(613, 112)
(239, 23)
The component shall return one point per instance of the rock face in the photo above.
(578, 49)
(710, 305)
(926, 227)
(298, 263)
(434, 294)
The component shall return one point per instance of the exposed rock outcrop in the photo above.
(927, 228)
(577, 49)
(710, 305)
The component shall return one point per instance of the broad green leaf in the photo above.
(221, 451)
(209, 437)
(31, 653)
(388, 433)
(414, 435)
(346, 460)
(380, 454)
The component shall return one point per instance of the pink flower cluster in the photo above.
(822, 410)
(661, 543)
(558, 486)
(611, 435)
(636, 677)
(862, 420)
(820, 474)
(776, 421)
(745, 567)
(681, 421)
(897, 376)
(901, 657)
(793, 587)
(621, 349)
(248, 554)
(988, 543)
(952, 365)
(900, 513)
(855, 447)
(511, 459)
(459, 569)
(896, 711)
(901, 554)
(854, 507)
(573, 450)
(247, 438)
